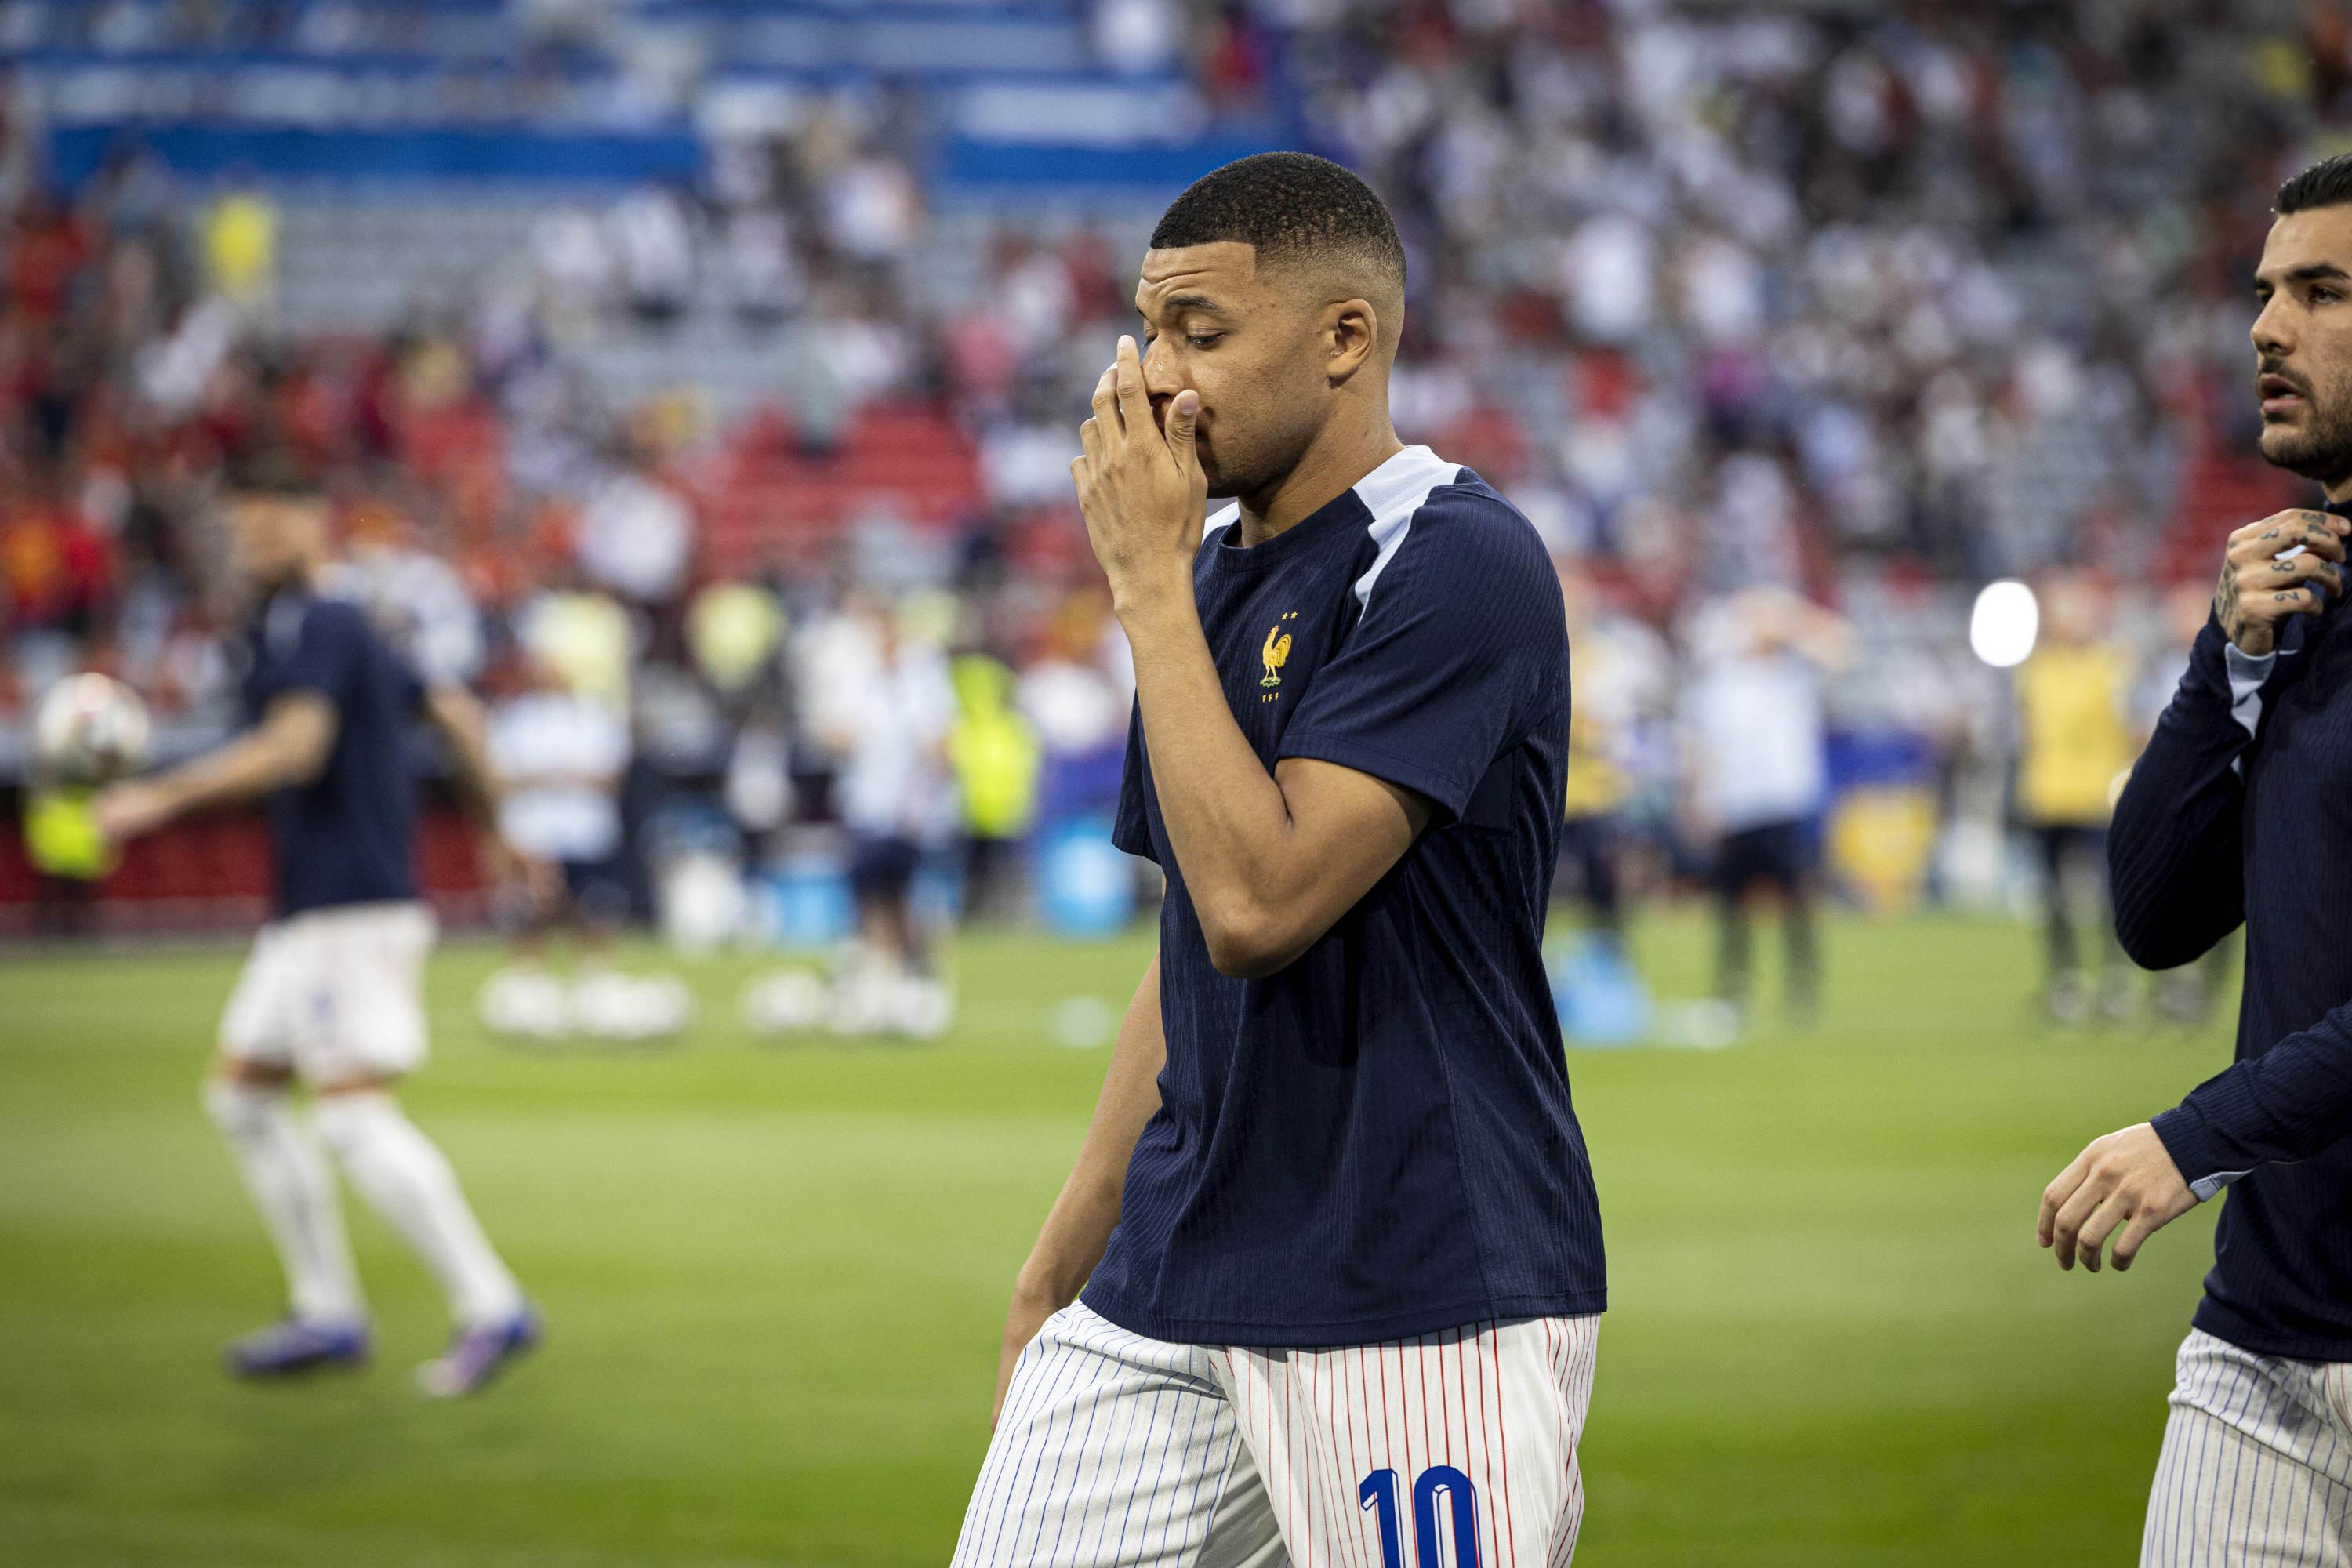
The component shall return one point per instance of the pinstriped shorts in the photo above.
(2257, 1465)
(1449, 1450)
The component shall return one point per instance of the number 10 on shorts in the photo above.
(1377, 1491)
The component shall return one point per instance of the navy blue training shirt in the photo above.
(348, 838)
(1376, 1141)
(2237, 812)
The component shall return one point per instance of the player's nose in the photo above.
(1160, 378)
(2269, 333)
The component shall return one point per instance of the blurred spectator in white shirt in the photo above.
(763, 275)
(895, 796)
(560, 755)
(1138, 37)
(872, 208)
(637, 534)
(654, 243)
(1756, 773)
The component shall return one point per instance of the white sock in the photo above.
(296, 1194)
(405, 1178)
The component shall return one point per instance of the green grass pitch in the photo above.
(774, 1278)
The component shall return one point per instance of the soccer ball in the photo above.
(786, 1001)
(523, 1004)
(923, 1009)
(631, 1007)
(89, 729)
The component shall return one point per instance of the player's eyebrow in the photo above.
(1187, 303)
(2311, 272)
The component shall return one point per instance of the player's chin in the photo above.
(2282, 441)
(2294, 447)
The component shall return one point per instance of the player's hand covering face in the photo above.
(1141, 488)
(1269, 350)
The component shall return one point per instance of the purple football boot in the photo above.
(298, 1345)
(476, 1354)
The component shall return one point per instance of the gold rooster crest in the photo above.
(1277, 652)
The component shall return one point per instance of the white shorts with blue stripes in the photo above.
(1455, 1449)
(2257, 1464)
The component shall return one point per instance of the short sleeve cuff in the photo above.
(2195, 1151)
(309, 682)
(1133, 840)
(1447, 793)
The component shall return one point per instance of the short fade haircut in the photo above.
(2326, 183)
(1290, 207)
(274, 470)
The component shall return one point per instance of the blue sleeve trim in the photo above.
(1447, 794)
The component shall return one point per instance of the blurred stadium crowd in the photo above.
(1873, 305)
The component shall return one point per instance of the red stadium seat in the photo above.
(762, 499)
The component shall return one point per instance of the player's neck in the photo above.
(2338, 490)
(302, 579)
(1336, 462)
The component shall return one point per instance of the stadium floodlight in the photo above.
(2004, 624)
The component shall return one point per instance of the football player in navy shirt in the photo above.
(1327, 1273)
(2236, 815)
(333, 995)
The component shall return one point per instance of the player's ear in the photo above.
(1351, 332)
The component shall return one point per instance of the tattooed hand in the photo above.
(2275, 569)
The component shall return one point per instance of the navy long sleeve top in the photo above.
(2240, 812)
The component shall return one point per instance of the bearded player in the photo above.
(1334, 1223)
(332, 998)
(2235, 814)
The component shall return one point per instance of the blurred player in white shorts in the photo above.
(1324, 1287)
(333, 995)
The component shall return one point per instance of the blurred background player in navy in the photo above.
(2234, 815)
(2074, 743)
(332, 997)
(1756, 775)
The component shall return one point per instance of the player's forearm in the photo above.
(478, 787)
(458, 717)
(1824, 639)
(255, 764)
(2289, 1103)
(1078, 1226)
(510, 781)
(1072, 1240)
(1227, 819)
